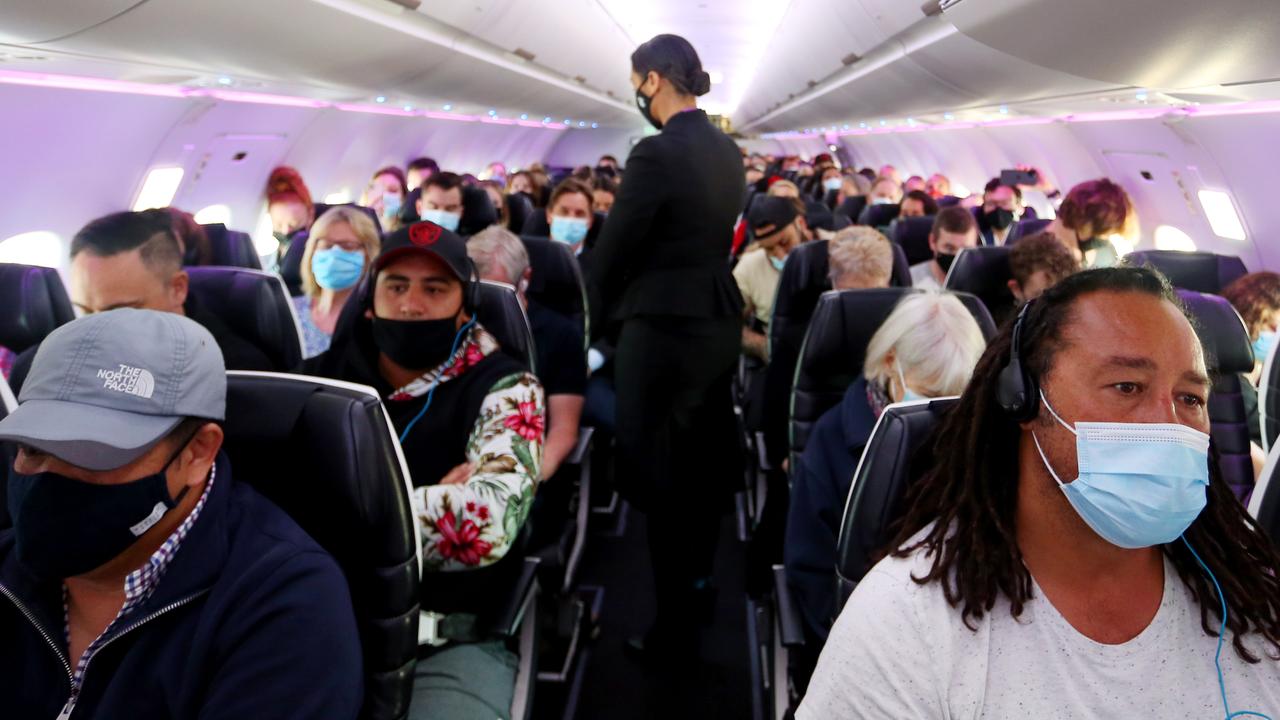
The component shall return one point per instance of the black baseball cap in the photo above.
(777, 212)
(426, 237)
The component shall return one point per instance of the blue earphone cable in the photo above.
(1222, 632)
(432, 392)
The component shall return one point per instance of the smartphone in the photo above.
(1013, 178)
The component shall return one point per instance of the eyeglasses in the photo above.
(348, 245)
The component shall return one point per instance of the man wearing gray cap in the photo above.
(138, 580)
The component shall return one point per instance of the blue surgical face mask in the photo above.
(1140, 484)
(908, 394)
(337, 269)
(569, 230)
(832, 183)
(883, 201)
(1262, 346)
(777, 262)
(445, 219)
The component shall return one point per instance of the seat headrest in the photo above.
(478, 211)
(231, 248)
(1203, 272)
(33, 303)
(913, 235)
(852, 207)
(556, 281)
(322, 208)
(255, 306)
(984, 271)
(519, 206)
(878, 215)
(536, 225)
(1222, 333)
(325, 453)
(502, 315)
(897, 455)
(1029, 227)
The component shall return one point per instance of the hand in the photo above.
(1042, 183)
(458, 475)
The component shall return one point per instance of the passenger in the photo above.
(569, 214)
(1001, 209)
(913, 183)
(885, 191)
(441, 201)
(127, 522)
(584, 174)
(385, 195)
(661, 285)
(832, 180)
(608, 161)
(561, 361)
(938, 186)
(953, 230)
(1256, 297)
(869, 174)
(603, 193)
(1062, 548)
(1091, 213)
(754, 173)
(918, 203)
(496, 172)
(193, 241)
(1037, 263)
(418, 171)
(522, 182)
(342, 243)
(891, 172)
(132, 259)
(784, 189)
(497, 199)
(471, 424)
(774, 223)
(860, 258)
(926, 348)
(290, 207)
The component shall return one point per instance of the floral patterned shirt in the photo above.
(474, 523)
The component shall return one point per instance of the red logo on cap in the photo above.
(424, 234)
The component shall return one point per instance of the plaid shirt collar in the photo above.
(140, 583)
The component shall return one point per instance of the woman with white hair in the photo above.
(926, 348)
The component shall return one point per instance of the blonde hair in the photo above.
(498, 246)
(777, 188)
(934, 339)
(860, 257)
(360, 225)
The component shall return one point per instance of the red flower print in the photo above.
(482, 512)
(400, 397)
(471, 506)
(527, 421)
(461, 542)
(470, 355)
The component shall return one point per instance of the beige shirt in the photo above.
(758, 282)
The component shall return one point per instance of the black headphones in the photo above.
(1017, 392)
(471, 290)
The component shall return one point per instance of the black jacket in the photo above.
(664, 249)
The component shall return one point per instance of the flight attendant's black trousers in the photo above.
(679, 454)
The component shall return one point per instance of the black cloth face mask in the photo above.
(65, 527)
(1000, 218)
(644, 103)
(944, 260)
(415, 344)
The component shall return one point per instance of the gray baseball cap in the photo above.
(105, 388)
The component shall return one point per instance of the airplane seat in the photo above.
(326, 453)
(913, 235)
(1269, 399)
(1264, 504)
(519, 207)
(501, 314)
(948, 201)
(33, 303)
(231, 248)
(535, 225)
(1228, 353)
(878, 216)
(322, 208)
(852, 207)
(557, 281)
(835, 347)
(1029, 227)
(1203, 272)
(593, 232)
(255, 305)
(984, 271)
(478, 211)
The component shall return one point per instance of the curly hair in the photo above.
(969, 497)
(1256, 297)
(1098, 208)
(1041, 252)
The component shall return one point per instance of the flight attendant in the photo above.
(661, 285)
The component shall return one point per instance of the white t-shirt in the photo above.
(922, 276)
(898, 650)
(758, 282)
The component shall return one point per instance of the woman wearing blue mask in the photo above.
(338, 250)
(1256, 297)
(569, 214)
(385, 195)
(927, 347)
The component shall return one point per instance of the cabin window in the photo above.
(159, 188)
(33, 248)
(213, 214)
(1169, 237)
(1222, 214)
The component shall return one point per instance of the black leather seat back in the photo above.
(255, 306)
(984, 271)
(556, 283)
(1228, 353)
(326, 453)
(852, 207)
(1264, 505)
(478, 211)
(913, 235)
(502, 315)
(1203, 272)
(1027, 228)
(835, 349)
(231, 248)
(1269, 398)
(897, 455)
(536, 225)
(878, 216)
(519, 207)
(33, 303)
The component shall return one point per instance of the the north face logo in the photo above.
(424, 233)
(129, 380)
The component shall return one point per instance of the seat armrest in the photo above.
(762, 453)
(583, 446)
(790, 625)
(508, 623)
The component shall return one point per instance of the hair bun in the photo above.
(701, 84)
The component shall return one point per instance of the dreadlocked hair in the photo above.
(967, 500)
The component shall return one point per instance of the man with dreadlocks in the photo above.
(1073, 552)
